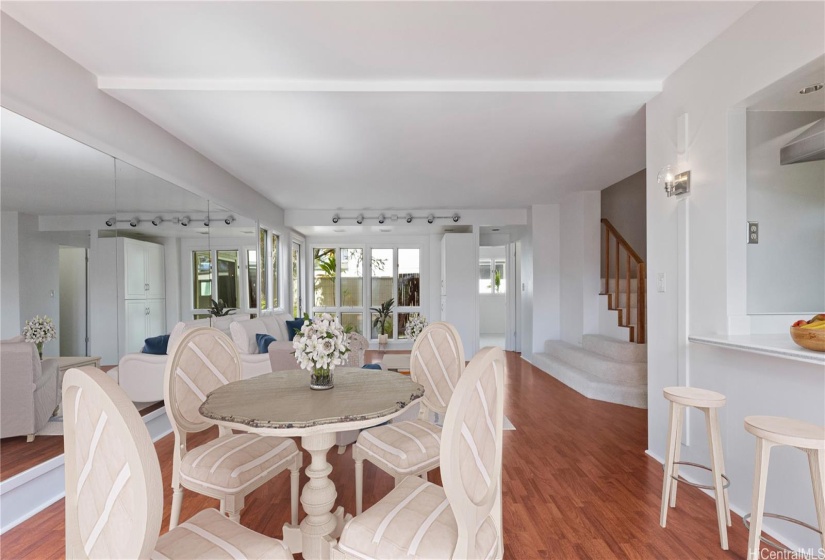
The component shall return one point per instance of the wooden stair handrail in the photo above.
(637, 334)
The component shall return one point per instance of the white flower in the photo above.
(415, 324)
(39, 330)
(321, 344)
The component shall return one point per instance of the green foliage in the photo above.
(382, 315)
(219, 309)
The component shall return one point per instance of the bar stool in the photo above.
(708, 402)
(771, 431)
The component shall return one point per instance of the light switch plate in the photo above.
(661, 282)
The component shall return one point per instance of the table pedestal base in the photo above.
(321, 527)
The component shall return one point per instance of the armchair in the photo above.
(28, 387)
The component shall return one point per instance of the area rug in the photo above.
(54, 427)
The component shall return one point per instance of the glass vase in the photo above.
(321, 379)
(40, 349)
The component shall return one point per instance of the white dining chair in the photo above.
(114, 494)
(463, 519)
(411, 448)
(230, 466)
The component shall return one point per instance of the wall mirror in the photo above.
(58, 195)
(786, 195)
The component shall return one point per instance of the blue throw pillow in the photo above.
(157, 345)
(264, 340)
(293, 326)
(371, 366)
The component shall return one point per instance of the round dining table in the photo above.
(282, 404)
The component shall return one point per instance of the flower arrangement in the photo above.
(320, 347)
(415, 324)
(39, 330)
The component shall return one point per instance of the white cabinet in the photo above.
(143, 269)
(459, 287)
(137, 268)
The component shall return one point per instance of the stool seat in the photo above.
(693, 396)
(786, 431)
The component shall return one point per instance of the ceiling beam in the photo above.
(381, 86)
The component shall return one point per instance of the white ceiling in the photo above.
(389, 104)
(783, 95)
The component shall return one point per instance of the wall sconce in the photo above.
(675, 183)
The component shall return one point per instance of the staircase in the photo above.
(603, 368)
(612, 365)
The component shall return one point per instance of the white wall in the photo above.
(43, 84)
(624, 205)
(580, 265)
(767, 43)
(39, 276)
(786, 269)
(9, 276)
(546, 282)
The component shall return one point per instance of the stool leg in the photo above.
(680, 422)
(816, 460)
(725, 491)
(712, 421)
(760, 479)
(669, 458)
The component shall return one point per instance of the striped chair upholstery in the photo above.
(463, 519)
(232, 465)
(411, 448)
(114, 497)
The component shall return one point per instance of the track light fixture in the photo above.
(456, 217)
(229, 219)
(409, 218)
(206, 221)
(430, 219)
(184, 221)
(111, 221)
(360, 219)
(381, 218)
(157, 220)
(134, 222)
(335, 219)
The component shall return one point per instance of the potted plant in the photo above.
(498, 280)
(382, 315)
(219, 309)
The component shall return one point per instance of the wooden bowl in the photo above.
(809, 338)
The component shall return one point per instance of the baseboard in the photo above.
(35, 489)
(766, 523)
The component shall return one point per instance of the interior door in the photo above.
(135, 325)
(134, 264)
(155, 271)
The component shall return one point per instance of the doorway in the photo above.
(492, 296)
(73, 320)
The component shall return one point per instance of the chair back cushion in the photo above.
(437, 362)
(358, 344)
(113, 483)
(202, 360)
(471, 446)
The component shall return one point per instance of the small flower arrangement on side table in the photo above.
(415, 324)
(320, 347)
(39, 330)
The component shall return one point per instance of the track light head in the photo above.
(157, 220)
(184, 221)
(456, 217)
(335, 219)
(134, 222)
(229, 219)
(381, 218)
(111, 221)
(430, 219)
(360, 219)
(409, 218)
(206, 221)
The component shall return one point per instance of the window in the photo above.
(297, 276)
(228, 286)
(262, 235)
(252, 278)
(202, 279)
(273, 256)
(491, 279)
(339, 286)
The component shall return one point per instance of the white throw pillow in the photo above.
(243, 334)
(281, 319)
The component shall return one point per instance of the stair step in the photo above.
(633, 319)
(619, 350)
(589, 385)
(622, 284)
(634, 299)
(602, 367)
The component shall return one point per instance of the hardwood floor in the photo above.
(576, 483)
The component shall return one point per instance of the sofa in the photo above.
(280, 355)
(141, 375)
(28, 389)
